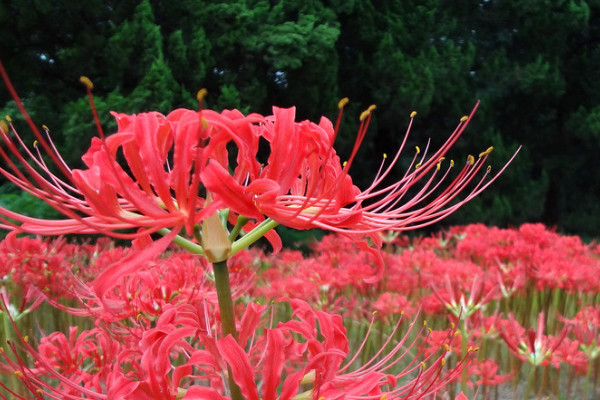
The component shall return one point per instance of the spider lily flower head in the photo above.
(304, 185)
(455, 300)
(531, 346)
(159, 188)
(586, 328)
(171, 160)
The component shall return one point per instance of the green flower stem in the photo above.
(245, 241)
(463, 347)
(183, 242)
(225, 299)
(238, 227)
(530, 379)
(227, 316)
(587, 377)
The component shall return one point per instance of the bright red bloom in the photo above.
(182, 356)
(531, 346)
(487, 371)
(304, 185)
(171, 158)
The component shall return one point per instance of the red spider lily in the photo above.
(304, 185)
(531, 346)
(181, 357)
(568, 352)
(487, 371)
(160, 189)
(388, 304)
(586, 327)
(170, 158)
(454, 299)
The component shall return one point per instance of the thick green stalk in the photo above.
(225, 299)
(227, 316)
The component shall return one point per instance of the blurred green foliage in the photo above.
(534, 65)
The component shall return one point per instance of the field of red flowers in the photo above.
(492, 313)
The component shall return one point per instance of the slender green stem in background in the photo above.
(530, 378)
(245, 241)
(227, 316)
(463, 347)
(587, 377)
(238, 227)
(183, 242)
(7, 326)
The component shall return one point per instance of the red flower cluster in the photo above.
(182, 356)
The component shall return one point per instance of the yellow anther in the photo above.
(384, 156)
(19, 374)
(342, 103)
(485, 153)
(443, 362)
(441, 159)
(470, 349)
(367, 112)
(26, 339)
(464, 118)
(374, 312)
(35, 143)
(87, 82)
(424, 323)
(456, 333)
(470, 160)
(45, 127)
(489, 169)
(452, 326)
(201, 94)
(4, 127)
(417, 149)
(446, 347)
(413, 114)
(438, 166)
(384, 397)
(418, 166)
(452, 163)
(423, 365)
(344, 164)
(8, 118)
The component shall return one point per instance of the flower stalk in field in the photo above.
(193, 175)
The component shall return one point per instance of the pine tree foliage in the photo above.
(533, 64)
